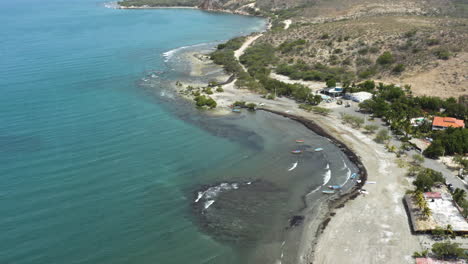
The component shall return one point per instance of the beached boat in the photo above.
(318, 149)
(297, 151)
(334, 187)
(236, 110)
(354, 175)
(328, 192)
(299, 141)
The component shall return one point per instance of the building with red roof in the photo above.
(441, 123)
(433, 195)
(436, 261)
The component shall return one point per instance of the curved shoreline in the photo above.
(326, 207)
(323, 211)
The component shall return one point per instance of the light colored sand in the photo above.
(314, 86)
(372, 228)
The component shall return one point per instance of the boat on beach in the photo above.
(318, 149)
(328, 192)
(354, 175)
(299, 141)
(334, 187)
(297, 151)
(236, 110)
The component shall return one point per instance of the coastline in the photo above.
(319, 215)
(324, 223)
(379, 219)
(235, 12)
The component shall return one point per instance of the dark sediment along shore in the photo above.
(326, 210)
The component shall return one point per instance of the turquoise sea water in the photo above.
(94, 168)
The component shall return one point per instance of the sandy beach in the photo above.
(371, 228)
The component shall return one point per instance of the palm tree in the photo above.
(427, 212)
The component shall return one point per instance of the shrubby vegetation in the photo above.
(355, 121)
(317, 72)
(382, 136)
(397, 106)
(448, 250)
(427, 178)
(316, 109)
(448, 142)
(459, 196)
(289, 46)
(205, 101)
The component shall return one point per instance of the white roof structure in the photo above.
(360, 96)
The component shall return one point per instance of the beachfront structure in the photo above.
(420, 144)
(441, 123)
(444, 213)
(417, 121)
(333, 91)
(359, 96)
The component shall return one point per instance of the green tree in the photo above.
(448, 250)
(435, 150)
(331, 83)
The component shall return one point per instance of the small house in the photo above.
(441, 123)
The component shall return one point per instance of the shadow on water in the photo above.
(239, 214)
(219, 126)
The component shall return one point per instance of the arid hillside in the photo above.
(423, 51)
(422, 43)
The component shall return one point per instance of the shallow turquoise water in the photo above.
(93, 170)
(101, 163)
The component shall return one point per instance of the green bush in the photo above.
(239, 103)
(432, 42)
(202, 101)
(251, 106)
(219, 89)
(386, 58)
(331, 83)
(321, 110)
(382, 136)
(371, 128)
(442, 54)
(399, 68)
(448, 250)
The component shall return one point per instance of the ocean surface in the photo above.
(100, 163)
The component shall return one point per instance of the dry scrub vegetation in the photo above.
(408, 47)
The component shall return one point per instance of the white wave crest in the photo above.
(293, 166)
(326, 177)
(208, 203)
(200, 195)
(169, 54)
(314, 190)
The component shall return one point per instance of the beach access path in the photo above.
(248, 41)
